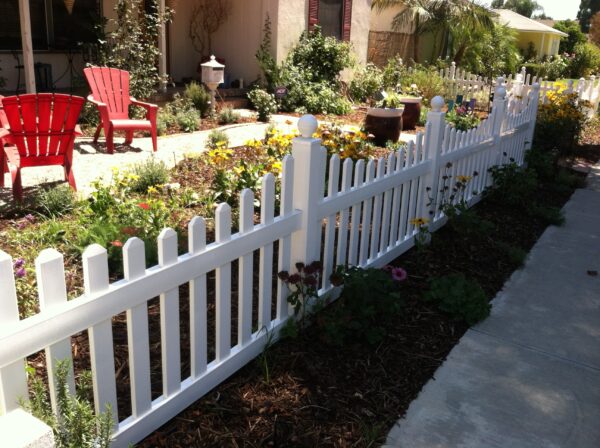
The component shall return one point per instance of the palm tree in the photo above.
(437, 17)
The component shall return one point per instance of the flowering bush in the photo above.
(264, 103)
(560, 122)
(348, 143)
(462, 119)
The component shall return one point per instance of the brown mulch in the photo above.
(350, 396)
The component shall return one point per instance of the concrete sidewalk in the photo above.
(529, 376)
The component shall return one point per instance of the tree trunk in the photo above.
(416, 40)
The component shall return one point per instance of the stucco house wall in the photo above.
(545, 44)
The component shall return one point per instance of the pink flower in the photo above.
(143, 205)
(117, 243)
(399, 274)
(19, 263)
(20, 273)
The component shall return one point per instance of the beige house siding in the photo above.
(545, 44)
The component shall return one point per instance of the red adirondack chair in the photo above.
(5, 139)
(42, 131)
(110, 93)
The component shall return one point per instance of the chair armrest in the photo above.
(91, 99)
(147, 106)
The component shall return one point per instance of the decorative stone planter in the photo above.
(384, 124)
(412, 112)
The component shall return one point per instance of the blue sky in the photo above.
(559, 9)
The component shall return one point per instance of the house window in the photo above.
(53, 27)
(333, 16)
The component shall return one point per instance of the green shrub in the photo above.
(165, 121)
(515, 255)
(552, 216)
(576, 36)
(264, 103)
(555, 68)
(368, 302)
(393, 74)
(586, 60)
(228, 116)
(199, 97)
(461, 298)
(513, 185)
(76, 424)
(320, 98)
(428, 81)
(367, 81)
(462, 119)
(188, 120)
(56, 202)
(149, 173)
(560, 123)
(217, 139)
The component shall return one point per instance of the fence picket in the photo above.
(267, 213)
(387, 204)
(52, 288)
(223, 287)
(342, 247)
(359, 173)
(394, 225)
(286, 207)
(13, 379)
(377, 211)
(198, 320)
(366, 218)
(95, 280)
(169, 318)
(245, 274)
(134, 267)
(334, 181)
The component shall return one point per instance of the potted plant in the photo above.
(411, 100)
(384, 121)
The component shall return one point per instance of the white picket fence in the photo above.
(587, 89)
(364, 218)
(462, 82)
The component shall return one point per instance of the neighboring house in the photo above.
(545, 40)
(56, 26)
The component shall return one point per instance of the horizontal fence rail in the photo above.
(341, 212)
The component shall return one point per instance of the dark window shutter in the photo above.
(347, 24)
(313, 13)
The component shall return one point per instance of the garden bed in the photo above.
(316, 394)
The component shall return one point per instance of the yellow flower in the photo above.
(419, 222)
(463, 179)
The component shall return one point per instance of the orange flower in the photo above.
(143, 205)
(117, 243)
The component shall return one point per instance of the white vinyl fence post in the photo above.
(13, 379)
(534, 98)
(434, 137)
(309, 187)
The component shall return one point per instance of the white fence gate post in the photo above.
(309, 186)
(434, 137)
(13, 379)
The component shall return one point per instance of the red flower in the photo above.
(117, 243)
(143, 205)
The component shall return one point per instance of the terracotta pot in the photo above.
(384, 124)
(412, 112)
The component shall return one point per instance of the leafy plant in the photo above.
(188, 120)
(367, 81)
(131, 46)
(56, 202)
(368, 301)
(217, 139)
(199, 97)
(149, 173)
(586, 60)
(75, 424)
(303, 286)
(264, 103)
(228, 116)
(512, 185)
(461, 298)
(462, 119)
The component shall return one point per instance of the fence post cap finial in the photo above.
(437, 103)
(501, 92)
(582, 79)
(453, 64)
(307, 125)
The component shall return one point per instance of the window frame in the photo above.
(313, 17)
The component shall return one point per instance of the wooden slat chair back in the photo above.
(43, 128)
(110, 93)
